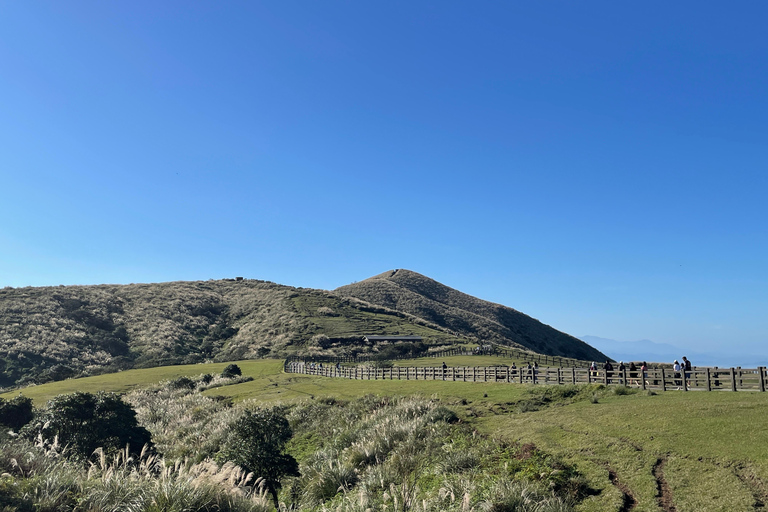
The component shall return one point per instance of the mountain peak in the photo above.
(413, 293)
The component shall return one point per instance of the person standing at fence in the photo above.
(688, 369)
(445, 370)
(676, 369)
(632, 373)
(608, 367)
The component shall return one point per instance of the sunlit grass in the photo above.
(706, 438)
(715, 445)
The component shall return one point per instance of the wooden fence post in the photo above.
(573, 375)
(709, 382)
(663, 380)
(733, 379)
(760, 374)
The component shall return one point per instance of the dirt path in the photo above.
(663, 492)
(629, 502)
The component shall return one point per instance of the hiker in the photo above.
(687, 368)
(621, 372)
(676, 369)
(644, 371)
(608, 367)
(632, 373)
(445, 369)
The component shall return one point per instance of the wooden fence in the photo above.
(700, 379)
(490, 350)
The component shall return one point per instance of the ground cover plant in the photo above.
(405, 453)
(637, 450)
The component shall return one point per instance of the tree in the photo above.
(85, 422)
(16, 412)
(231, 370)
(255, 442)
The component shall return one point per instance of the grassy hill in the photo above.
(52, 333)
(413, 293)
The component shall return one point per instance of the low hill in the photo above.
(465, 315)
(51, 333)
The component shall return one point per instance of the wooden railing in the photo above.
(492, 350)
(701, 379)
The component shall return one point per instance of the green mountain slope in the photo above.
(413, 293)
(51, 333)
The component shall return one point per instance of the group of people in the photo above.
(633, 371)
(679, 369)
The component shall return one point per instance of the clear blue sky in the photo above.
(601, 166)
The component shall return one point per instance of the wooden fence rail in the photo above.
(700, 379)
(486, 349)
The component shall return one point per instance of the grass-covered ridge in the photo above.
(52, 333)
(423, 297)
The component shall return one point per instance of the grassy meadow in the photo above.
(639, 451)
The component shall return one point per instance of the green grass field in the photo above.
(702, 451)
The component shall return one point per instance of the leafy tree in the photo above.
(256, 441)
(85, 422)
(16, 412)
(231, 370)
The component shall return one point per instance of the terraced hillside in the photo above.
(418, 295)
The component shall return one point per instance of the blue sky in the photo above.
(600, 166)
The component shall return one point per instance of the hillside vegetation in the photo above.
(53, 333)
(601, 449)
(418, 295)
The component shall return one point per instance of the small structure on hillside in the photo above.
(392, 339)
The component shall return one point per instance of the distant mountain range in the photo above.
(647, 350)
(55, 332)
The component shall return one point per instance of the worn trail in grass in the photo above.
(712, 447)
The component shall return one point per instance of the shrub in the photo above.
(623, 390)
(16, 412)
(85, 422)
(321, 340)
(232, 370)
(256, 441)
(182, 383)
(442, 413)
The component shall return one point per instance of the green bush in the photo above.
(256, 442)
(85, 422)
(182, 383)
(231, 371)
(16, 412)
